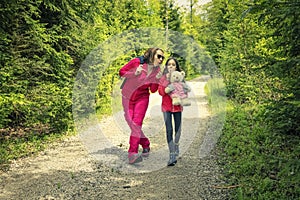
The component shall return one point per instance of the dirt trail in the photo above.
(94, 164)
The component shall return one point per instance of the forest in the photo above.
(254, 45)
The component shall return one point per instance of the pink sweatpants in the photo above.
(134, 112)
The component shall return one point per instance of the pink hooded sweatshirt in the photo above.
(138, 85)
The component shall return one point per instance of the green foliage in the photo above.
(216, 92)
(254, 45)
(170, 15)
(44, 45)
(105, 88)
(263, 162)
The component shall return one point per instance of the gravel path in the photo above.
(93, 165)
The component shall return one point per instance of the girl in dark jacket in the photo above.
(170, 110)
(141, 79)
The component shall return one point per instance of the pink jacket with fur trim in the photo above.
(137, 86)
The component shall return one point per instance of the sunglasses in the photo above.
(160, 57)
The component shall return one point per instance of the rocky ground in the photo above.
(93, 165)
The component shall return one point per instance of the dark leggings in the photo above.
(169, 125)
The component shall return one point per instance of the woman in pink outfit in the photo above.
(141, 79)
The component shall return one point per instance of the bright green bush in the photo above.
(263, 162)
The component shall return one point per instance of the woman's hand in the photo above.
(168, 76)
(159, 75)
(138, 70)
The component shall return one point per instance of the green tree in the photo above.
(256, 47)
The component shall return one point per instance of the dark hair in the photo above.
(147, 55)
(166, 65)
(150, 53)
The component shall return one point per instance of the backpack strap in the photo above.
(141, 60)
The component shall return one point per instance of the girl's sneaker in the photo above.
(146, 152)
(172, 160)
(135, 158)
